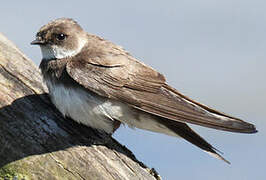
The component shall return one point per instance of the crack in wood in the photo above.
(66, 169)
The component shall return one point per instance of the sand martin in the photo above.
(99, 84)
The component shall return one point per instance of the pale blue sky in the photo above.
(212, 51)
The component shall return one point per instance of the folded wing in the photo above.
(143, 88)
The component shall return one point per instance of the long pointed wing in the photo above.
(125, 79)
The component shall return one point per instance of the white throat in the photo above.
(57, 52)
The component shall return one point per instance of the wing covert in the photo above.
(143, 88)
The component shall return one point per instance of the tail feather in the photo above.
(184, 131)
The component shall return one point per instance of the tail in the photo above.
(184, 131)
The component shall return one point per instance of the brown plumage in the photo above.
(76, 60)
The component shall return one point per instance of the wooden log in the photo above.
(36, 142)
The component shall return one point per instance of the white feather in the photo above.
(99, 112)
(58, 52)
(81, 106)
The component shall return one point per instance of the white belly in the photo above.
(99, 112)
(83, 107)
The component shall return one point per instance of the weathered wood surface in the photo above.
(36, 142)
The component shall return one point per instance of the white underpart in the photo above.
(80, 106)
(99, 112)
(57, 52)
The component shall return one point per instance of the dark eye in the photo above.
(61, 37)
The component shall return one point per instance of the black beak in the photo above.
(37, 41)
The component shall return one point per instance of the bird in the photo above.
(99, 84)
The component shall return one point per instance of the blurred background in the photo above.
(213, 51)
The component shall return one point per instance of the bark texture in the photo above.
(36, 142)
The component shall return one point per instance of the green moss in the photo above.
(13, 171)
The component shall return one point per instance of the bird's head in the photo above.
(60, 38)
